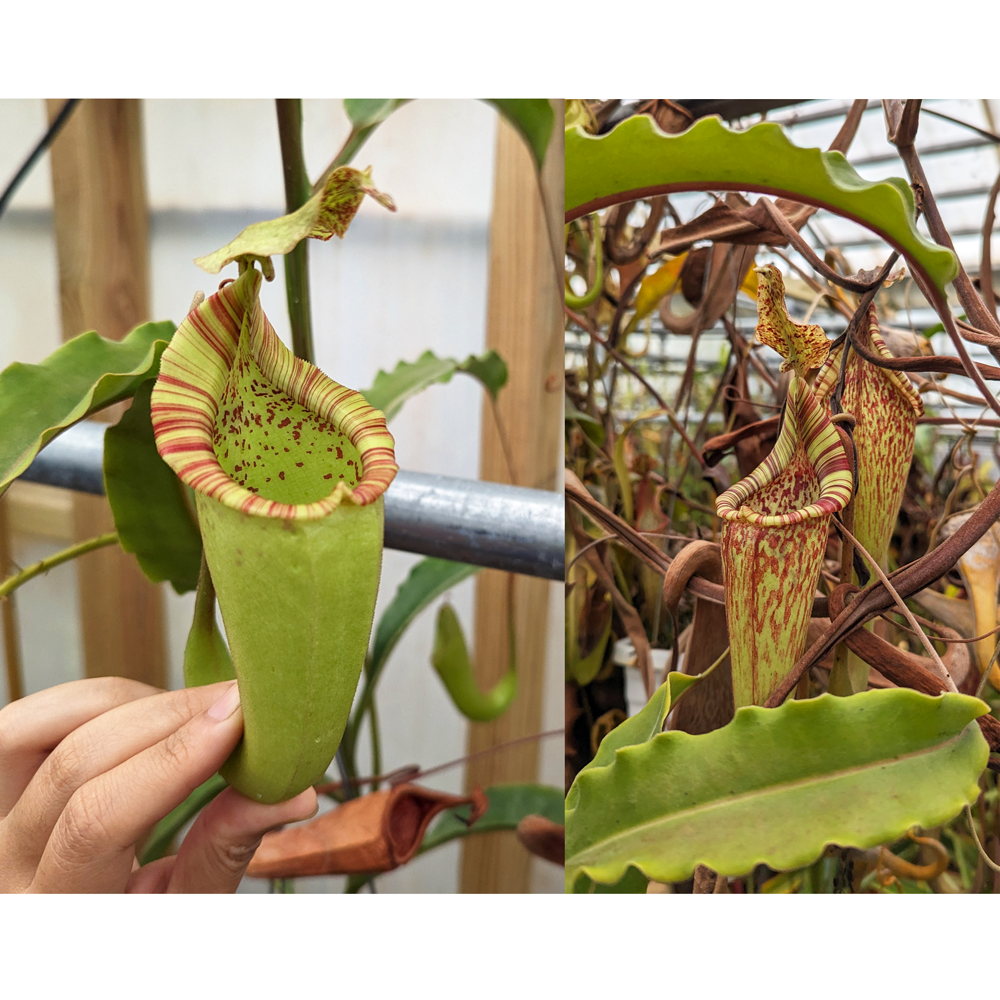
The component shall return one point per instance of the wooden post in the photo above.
(102, 239)
(524, 325)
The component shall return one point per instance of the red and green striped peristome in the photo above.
(807, 428)
(232, 404)
(775, 526)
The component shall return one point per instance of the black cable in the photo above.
(35, 154)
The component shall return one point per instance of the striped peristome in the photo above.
(775, 527)
(806, 426)
(194, 372)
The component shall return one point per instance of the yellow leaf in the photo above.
(656, 286)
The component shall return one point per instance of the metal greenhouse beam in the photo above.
(486, 524)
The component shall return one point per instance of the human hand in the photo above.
(88, 768)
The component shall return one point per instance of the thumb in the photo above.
(220, 845)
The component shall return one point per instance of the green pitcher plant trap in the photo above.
(288, 470)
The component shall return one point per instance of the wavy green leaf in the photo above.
(86, 374)
(637, 160)
(428, 580)
(451, 662)
(508, 805)
(775, 786)
(640, 728)
(632, 881)
(533, 118)
(152, 517)
(391, 390)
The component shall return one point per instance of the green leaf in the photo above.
(508, 805)
(366, 113)
(642, 726)
(167, 829)
(152, 517)
(533, 118)
(632, 881)
(775, 786)
(939, 327)
(327, 213)
(489, 368)
(583, 669)
(637, 160)
(391, 389)
(452, 664)
(590, 426)
(621, 468)
(428, 580)
(87, 373)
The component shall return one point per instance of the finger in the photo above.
(94, 748)
(220, 845)
(93, 841)
(33, 726)
(152, 878)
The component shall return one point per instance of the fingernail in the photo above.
(226, 705)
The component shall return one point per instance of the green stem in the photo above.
(297, 193)
(376, 743)
(164, 833)
(8, 617)
(358, 137)
(13, 582)
(350, 741)
(356, 882)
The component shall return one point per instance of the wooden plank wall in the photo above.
(102, 239)
(524, 325)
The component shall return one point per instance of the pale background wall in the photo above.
(394, 287)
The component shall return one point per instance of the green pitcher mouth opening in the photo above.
(242, 420)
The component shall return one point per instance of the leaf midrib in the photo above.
(765, 792)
